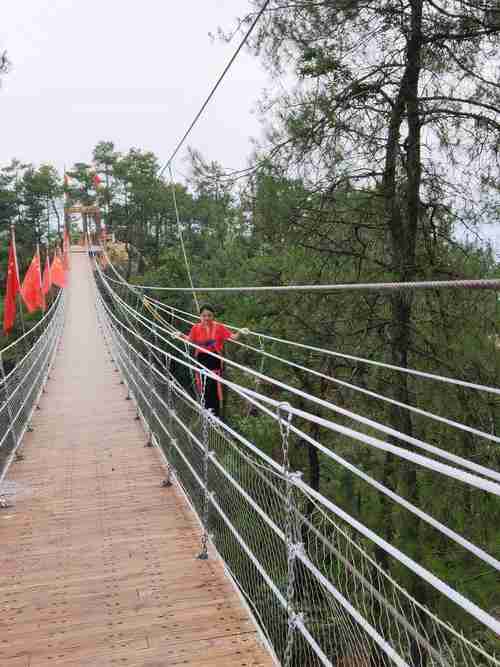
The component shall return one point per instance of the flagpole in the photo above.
(49, 268)
(66, 197)
(48, 218)
(42, 295)
(13, 239)
(18, 295)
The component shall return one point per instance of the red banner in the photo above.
(12, 287)
(57, 271)
(31, 290)
(47, 276)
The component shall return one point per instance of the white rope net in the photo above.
(311, 574)
(24, 369)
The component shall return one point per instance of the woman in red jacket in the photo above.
(210, 336)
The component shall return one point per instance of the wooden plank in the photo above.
(98, 563)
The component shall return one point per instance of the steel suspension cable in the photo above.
(492, 474)
(217, 84)
(480, 283)
(344, 383)
(405, 454)
(351, 357)
(181, 239)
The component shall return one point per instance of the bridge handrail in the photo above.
(23, 386)
(41, 321)
(192, 364)
(156, 414)
(170, 310)
(137, 289)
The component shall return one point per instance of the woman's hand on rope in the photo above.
(240, 332)
(177, 334)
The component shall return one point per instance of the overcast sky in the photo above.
(131, 71)
(134, 72)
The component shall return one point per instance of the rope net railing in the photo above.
(179, 315)
(24, 370)
(442, 435)
(146, 325)
(310, 572)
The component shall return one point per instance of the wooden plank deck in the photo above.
(97, 561)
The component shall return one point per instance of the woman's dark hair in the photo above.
(207, 306)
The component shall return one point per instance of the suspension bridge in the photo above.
(138, 528)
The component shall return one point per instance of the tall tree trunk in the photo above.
(404, 212)
(405, 251)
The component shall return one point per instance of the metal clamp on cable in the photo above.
(284, 427)
(296, 550)
(295, 621)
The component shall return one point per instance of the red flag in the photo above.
(31, 290)
(97, 181)
(12, 287)
(57, 271)
(66, 249)
(47, 276)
